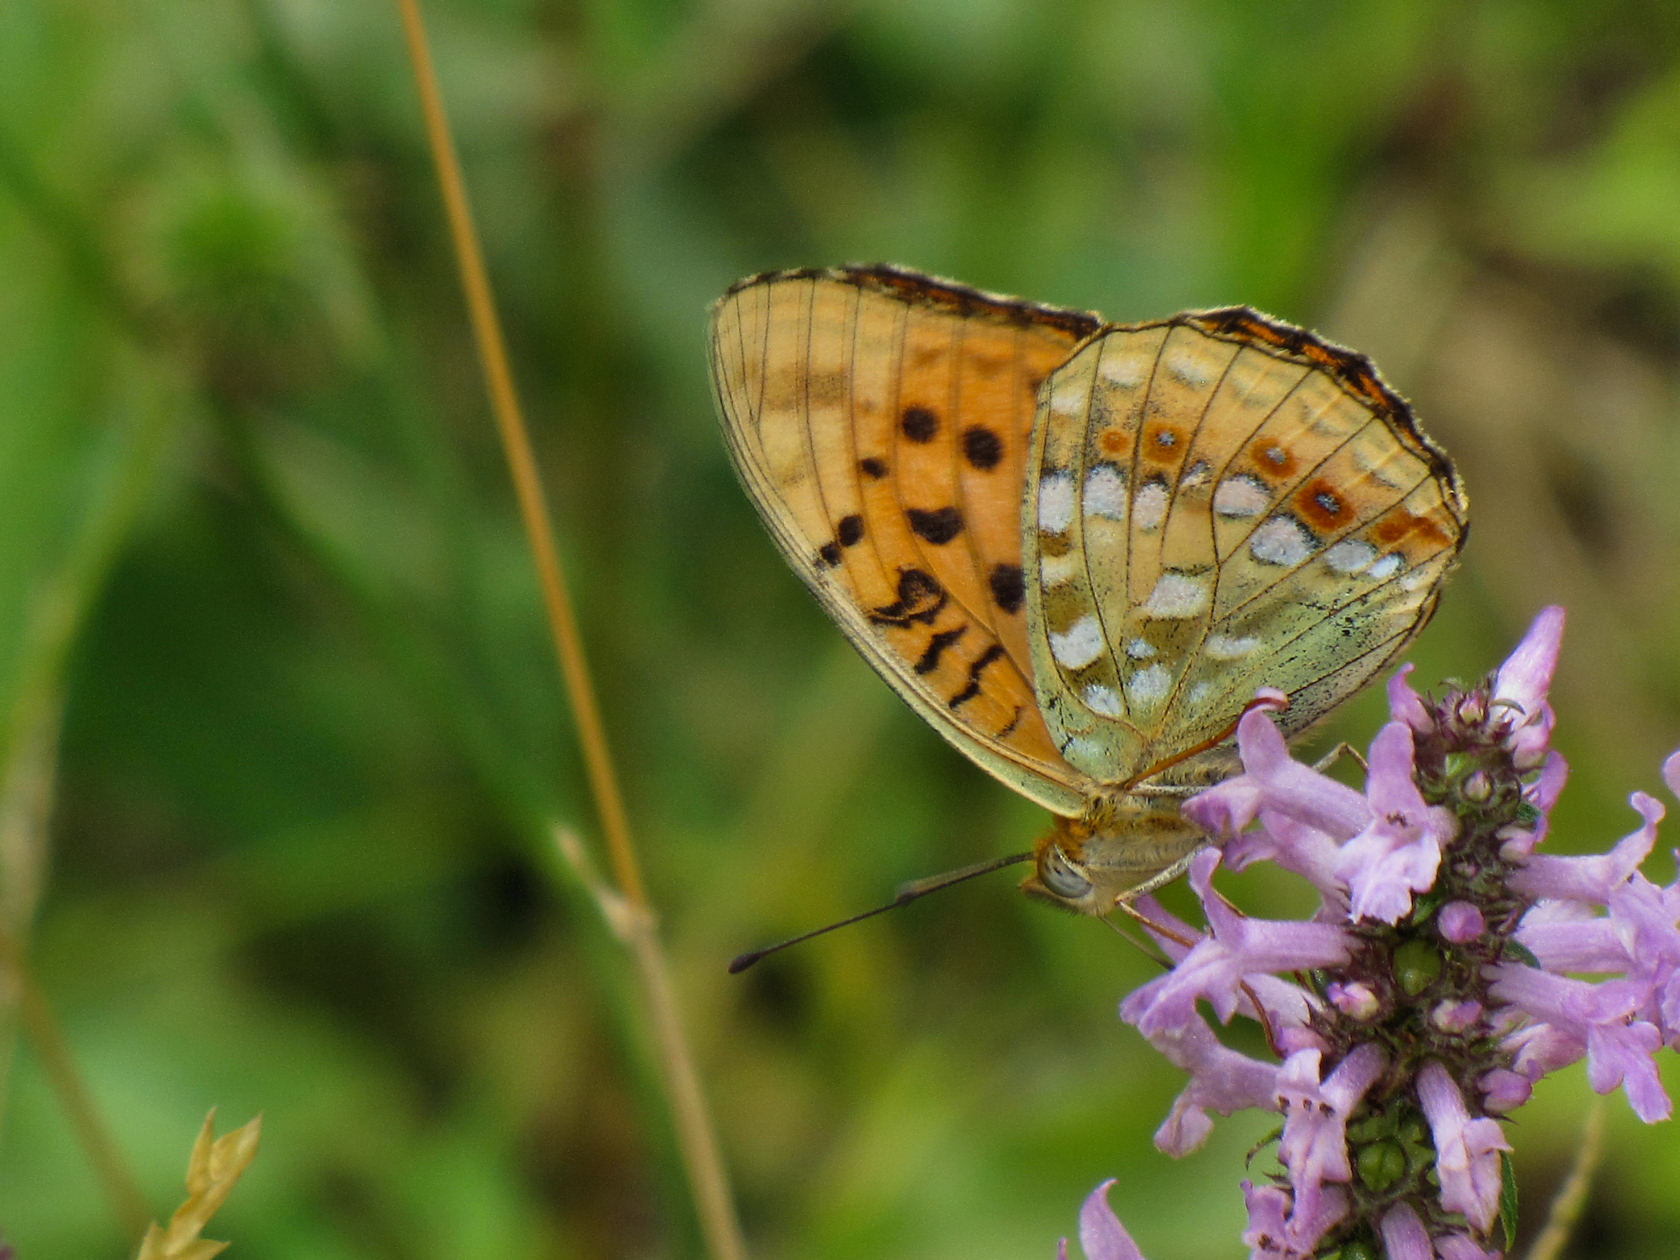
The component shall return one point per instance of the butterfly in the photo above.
(1078, 549)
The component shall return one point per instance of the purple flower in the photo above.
(1235, 949)
(1447, 968)
(1397, 853)
(1466, 1150)
(1403, 1234)
(1221, 1079)
(1314, 1144)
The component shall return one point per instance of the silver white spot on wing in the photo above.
(1103, 700)
(1147, 687)
(1079, 645)
(1229, 647)
(1177, 595)
(1149, 506)
(1281, 540)
(1386, 568)
(1069, 397)
(1055, 503)
(1351, 555)
(1241, 496)
(1140, 649)
(1105, 492)
(1083, 750)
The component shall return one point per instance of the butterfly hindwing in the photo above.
(1220, 503)
(880, 422)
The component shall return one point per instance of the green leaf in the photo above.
(1508, 1199)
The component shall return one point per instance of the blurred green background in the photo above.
(283, 740)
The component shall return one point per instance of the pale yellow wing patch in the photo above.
(1220, 503)
(880, 422)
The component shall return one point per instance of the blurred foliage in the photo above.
(283, 741)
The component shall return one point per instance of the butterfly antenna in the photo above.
(905, 895)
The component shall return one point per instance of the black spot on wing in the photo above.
(981, 447)
(849, 531)
(935, 525)
(1008, 587)
(919, 424)
(872, 468)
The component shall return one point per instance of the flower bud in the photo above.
(1504, 1090)
(1455, 1017)
(1354, 999)
(1460, 921)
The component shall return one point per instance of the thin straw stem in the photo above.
(695, 1134)
(38, 1021)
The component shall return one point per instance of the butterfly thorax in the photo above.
(1128, 841)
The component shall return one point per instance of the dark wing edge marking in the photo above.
(920, 289)
(1356, 374)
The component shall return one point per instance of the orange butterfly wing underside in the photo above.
(881, 423)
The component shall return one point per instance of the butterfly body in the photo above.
(1077, 548)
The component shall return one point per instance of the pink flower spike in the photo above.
(1101, 1235)
(1466, 1150)
(1403, 1235)
(1527, 673)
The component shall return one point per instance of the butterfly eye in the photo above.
(1061, 876)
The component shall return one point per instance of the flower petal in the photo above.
(1527, 673)
(1101, 1235)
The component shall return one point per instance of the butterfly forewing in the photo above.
(880, 421)
(1221, 503)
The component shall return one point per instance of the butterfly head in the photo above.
(1123, 845)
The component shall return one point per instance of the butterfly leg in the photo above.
(1343, 749)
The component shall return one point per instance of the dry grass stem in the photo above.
(1572, 1197)
(126, 1201)
(696, 1137)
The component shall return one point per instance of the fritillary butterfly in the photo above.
(1079, 548)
